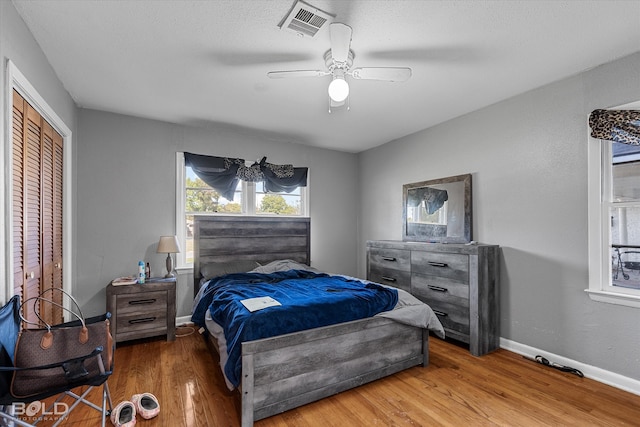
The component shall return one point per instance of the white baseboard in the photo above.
(183, 320)
(592, 372)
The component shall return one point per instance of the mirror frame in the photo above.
(429, 232)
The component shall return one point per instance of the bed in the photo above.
(286, 371)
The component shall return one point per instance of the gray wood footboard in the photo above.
(288, 371)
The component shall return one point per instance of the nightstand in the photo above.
(141, 311)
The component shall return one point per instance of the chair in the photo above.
(67, 374)
(621, 264)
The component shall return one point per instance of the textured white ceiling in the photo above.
(205, 63)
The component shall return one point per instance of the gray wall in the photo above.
(528, 157)
(126, 196)
(18, 45)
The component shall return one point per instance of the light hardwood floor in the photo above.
(456, 389)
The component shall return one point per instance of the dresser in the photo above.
(459, 282)
(142, 311)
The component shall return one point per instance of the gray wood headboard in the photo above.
(223, 239)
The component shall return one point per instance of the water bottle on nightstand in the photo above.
(141, 272)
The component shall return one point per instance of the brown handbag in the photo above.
(63, 346)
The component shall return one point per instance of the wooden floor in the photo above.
(456, 389)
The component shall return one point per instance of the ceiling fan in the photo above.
(338, 60)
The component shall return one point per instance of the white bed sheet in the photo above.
(217, 333)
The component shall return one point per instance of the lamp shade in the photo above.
(168, 245)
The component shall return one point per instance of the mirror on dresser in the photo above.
(438, 210)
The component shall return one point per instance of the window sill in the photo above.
(184, 269)
(614, 298)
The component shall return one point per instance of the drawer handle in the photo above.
(437, 264)
(143, 320)
(388, 279)
(389, 258)
(437, 288)
(142, 301)
(440, 313)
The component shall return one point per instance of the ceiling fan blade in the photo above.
(340, 41)
(297, 73)
(390, 74)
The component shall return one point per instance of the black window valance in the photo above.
(616, 125)
(223, 174)
(432, 197)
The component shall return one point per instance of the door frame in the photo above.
(16, 80)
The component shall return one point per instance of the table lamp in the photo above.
(168, 245)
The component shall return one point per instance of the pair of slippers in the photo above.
(124, 414)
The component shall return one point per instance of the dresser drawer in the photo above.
(395, 259)
(396, 278)
(452, 266)
(390, 267)
(433, 288)
(142, 302)
(454, 319)
(449, 299)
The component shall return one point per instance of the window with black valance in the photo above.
(223, 173)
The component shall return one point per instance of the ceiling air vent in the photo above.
(305, 19)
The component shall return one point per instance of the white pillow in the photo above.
(283, 265)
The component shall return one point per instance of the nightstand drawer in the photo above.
(152, 320)
(142, 302)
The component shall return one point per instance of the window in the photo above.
(420, 214)
(614, 221)
(195, 197)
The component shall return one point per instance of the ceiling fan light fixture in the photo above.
(338, 61)
(338, 88)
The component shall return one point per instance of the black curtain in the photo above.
(223, 174)
(278, 178)
(432, 197)
(616, 125)
(220, 173)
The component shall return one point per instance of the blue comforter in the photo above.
(309, 300)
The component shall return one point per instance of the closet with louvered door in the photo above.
(37, 165)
